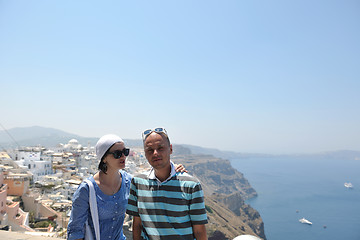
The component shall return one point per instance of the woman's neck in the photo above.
(110, 182)
(110, 176)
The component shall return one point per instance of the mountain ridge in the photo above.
(50, 137)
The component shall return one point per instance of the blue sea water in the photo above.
(290, 188)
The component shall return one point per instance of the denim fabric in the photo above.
(111, 210)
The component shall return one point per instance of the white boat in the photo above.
(348, 185)
(305, 221)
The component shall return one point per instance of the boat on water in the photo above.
(305, 221)
(348, 185)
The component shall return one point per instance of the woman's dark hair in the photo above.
(102, 166)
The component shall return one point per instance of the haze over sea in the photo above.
(312, 186)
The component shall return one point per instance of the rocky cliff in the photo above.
(216, 174)
(225, 190)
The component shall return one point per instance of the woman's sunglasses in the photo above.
(118, 153)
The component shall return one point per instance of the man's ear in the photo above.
(171, 149)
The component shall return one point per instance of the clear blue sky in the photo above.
(249, 76)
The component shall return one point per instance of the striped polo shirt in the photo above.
(167, 209)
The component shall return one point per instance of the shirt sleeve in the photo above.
(197, 206)
(79, 213)
(132, 208)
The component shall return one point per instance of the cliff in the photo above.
(216, 174)
(225, 190)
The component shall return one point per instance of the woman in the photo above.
(112, 192)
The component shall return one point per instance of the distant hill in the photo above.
(341, 154)
(47, 137)
(33, 136)
(220, 153)
(50, 137)
(25, 133)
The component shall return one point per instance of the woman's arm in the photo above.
(180, 168)
(79, 213)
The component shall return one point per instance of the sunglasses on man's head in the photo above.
(118, 153)
(147, 132)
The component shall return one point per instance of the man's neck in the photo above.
(163, 173)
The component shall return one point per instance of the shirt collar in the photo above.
(172, 173)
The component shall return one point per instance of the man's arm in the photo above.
(200, 232)
(136, 228)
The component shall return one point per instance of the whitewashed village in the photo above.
(37, 185)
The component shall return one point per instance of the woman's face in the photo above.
(113, 163)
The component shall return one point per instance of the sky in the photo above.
(247, 76)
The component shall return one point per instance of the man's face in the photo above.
(157, 151)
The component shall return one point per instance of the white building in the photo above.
(73, 145)
(30, 159)
(88, 164)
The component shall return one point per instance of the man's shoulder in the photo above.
(186, 177)
(141, 176)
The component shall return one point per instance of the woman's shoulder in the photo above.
(84, 186)
(126, 175)
(82, 191)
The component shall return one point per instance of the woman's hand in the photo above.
(180, 168)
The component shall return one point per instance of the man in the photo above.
(165, 204)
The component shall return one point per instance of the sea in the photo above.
(290, 188)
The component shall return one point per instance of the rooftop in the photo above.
(22, 236)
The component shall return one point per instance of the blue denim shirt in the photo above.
(111, 210)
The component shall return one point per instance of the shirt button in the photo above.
(109, 236)
(114, 196)
(114, 219)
